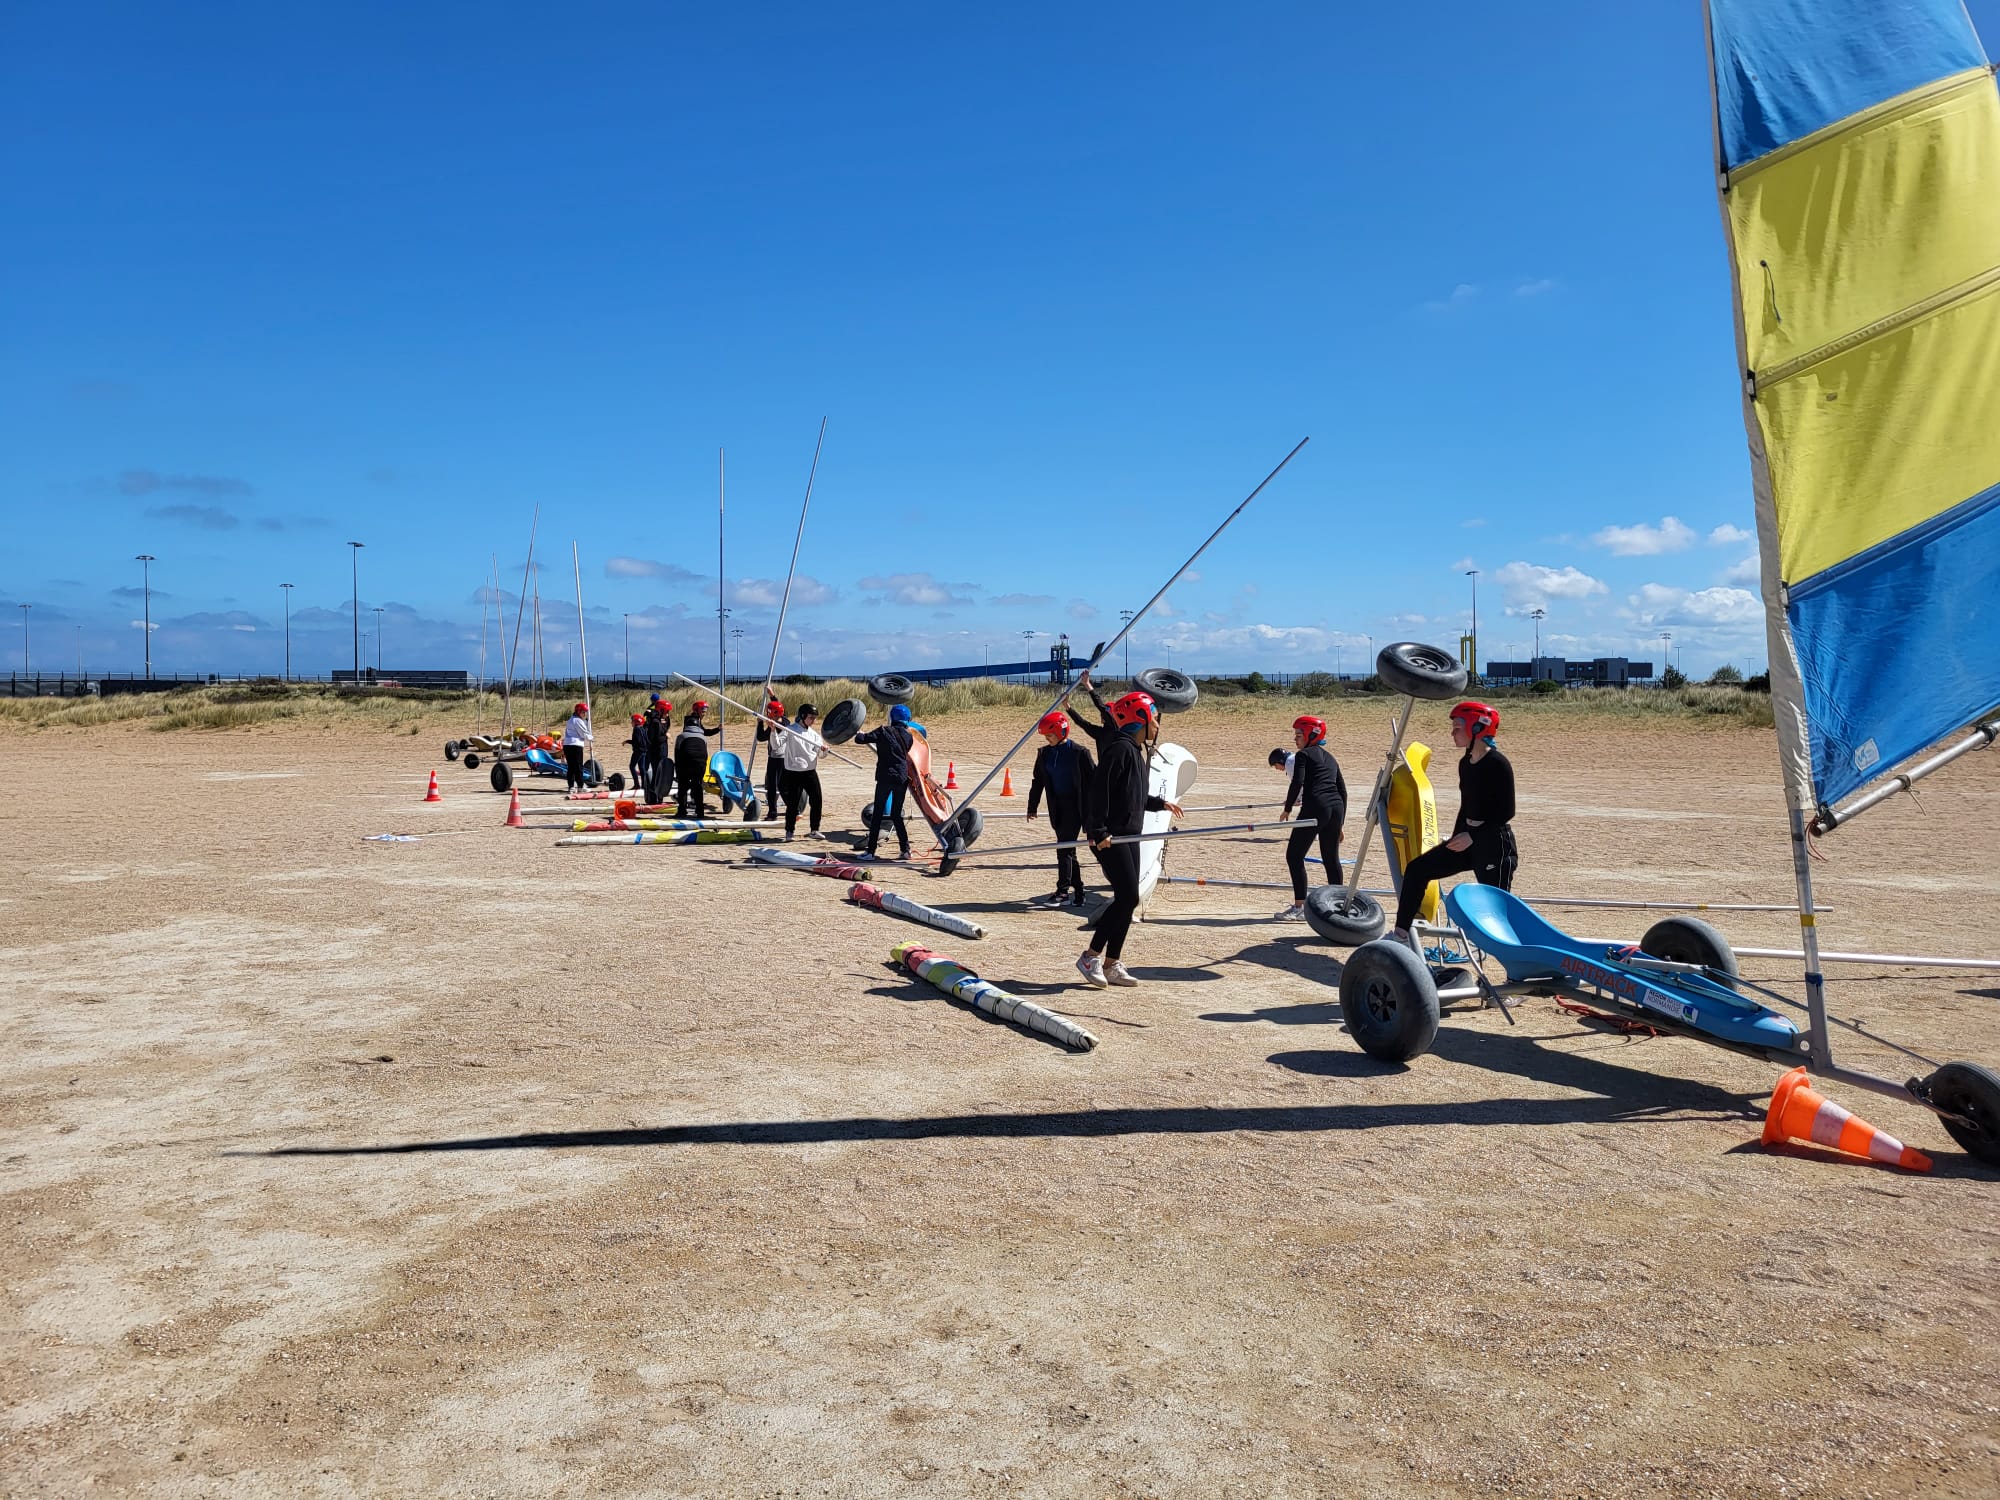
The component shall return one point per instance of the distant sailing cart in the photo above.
(1874, 440)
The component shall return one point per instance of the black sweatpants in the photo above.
(1120, 864)
(659, 777)
(775, 772)
(1066, 822)
(690, 771)
(573, 765)
(800, 787)
(1300, 844)
(1491, 858)
(889, 809)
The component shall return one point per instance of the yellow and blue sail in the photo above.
(1860, 176)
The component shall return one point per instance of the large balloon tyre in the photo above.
(750, 809)
(1341, 922)
(1172, 692)
(593, 773)
(969, 824)
(502, 776)
(1421, 671)
(1388, 1001)
(868, 817)
(843, 721)
(1689, 940)
(451, 749)
(616, 782)
(1972, 1093)
(471, 762)
(891, 688)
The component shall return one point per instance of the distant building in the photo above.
(1600, 671)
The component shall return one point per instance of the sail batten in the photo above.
(1860, 171)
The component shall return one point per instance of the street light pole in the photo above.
(146, 561)
(1666, 639)
(288, 630)
(1473, 574)
(378, 640)
(1125, 616)
(1536, 614)
(628, 648)
(355, 609)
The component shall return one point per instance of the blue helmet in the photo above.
(900, 714)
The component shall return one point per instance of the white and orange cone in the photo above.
(514, 818)
(433, 795)
(1800, 1112)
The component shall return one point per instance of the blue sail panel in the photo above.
(1786, 68)
(1931, 597)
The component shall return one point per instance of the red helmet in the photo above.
(583, 708)
(1134, 708)
(1478, 718)
(774, 708)
(1313, 727)
(1054, 722)
(638, 718)
(700, 706)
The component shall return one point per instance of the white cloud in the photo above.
(1472, 525)
(1527, 586)
(1536, 287)
(1082, 609)
(1663, 604)
(1726, 535)
(770, 592)
(1671, 535)
(916, 589)
(1746, 570)
(1461, 294)
(1463, 563)
(646, 567)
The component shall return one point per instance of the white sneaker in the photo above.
(1059, 898)
(1296, 912)
(1091, 967)
(1115, 974)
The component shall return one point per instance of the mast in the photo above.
(784, 604)
(721, 603)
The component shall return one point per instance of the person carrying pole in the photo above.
(801, 746)
(892, 774)
(1063, 769)
(774, 719)
(576, 740)
(1118, 802)
(1321, 794)
(691, 761)
(1482, 837)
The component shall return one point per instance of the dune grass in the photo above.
(242, 705)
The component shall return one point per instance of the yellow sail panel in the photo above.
(1884, 436)
(1860, 220)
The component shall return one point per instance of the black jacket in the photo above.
(1485, 795)
(692, 742)
(1064, 770)
(892, 752)
(1318, 790)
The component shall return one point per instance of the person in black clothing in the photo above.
(1481, 839)
(1117, 803)
(1063, 769)
(892, 773)
(774, 713)
(691, 762)
(1320, 792)
(635, 770)
(659, 750)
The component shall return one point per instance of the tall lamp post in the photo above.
(628, 648)
(736, 635)
(1666, 639)
(378, 640)
(24, 638)
(288, 630)
(1537, 614)
(1027, 648)
(1473, 574)
(1125, 615)
(145, 560)
(355, 609)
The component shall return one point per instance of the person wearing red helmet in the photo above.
(1118, 801)
(659, 748)
(774, 717)
(691, 761)
(1482, 838)
(1063, 769)
(1320, 792)
(576, 741)
(635, 768)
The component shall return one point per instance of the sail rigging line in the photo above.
(520, 608)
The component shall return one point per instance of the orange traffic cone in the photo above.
(951, 776)
(1007, 782)
(625, 807)
(1801, 1112)
(432, 794)
(514, 818)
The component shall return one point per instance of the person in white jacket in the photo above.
(800, 746)
(576, 741)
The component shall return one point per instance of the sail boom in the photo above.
(1830, 818)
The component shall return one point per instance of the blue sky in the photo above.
(1065, 286)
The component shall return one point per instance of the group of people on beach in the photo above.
(1101, 800)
